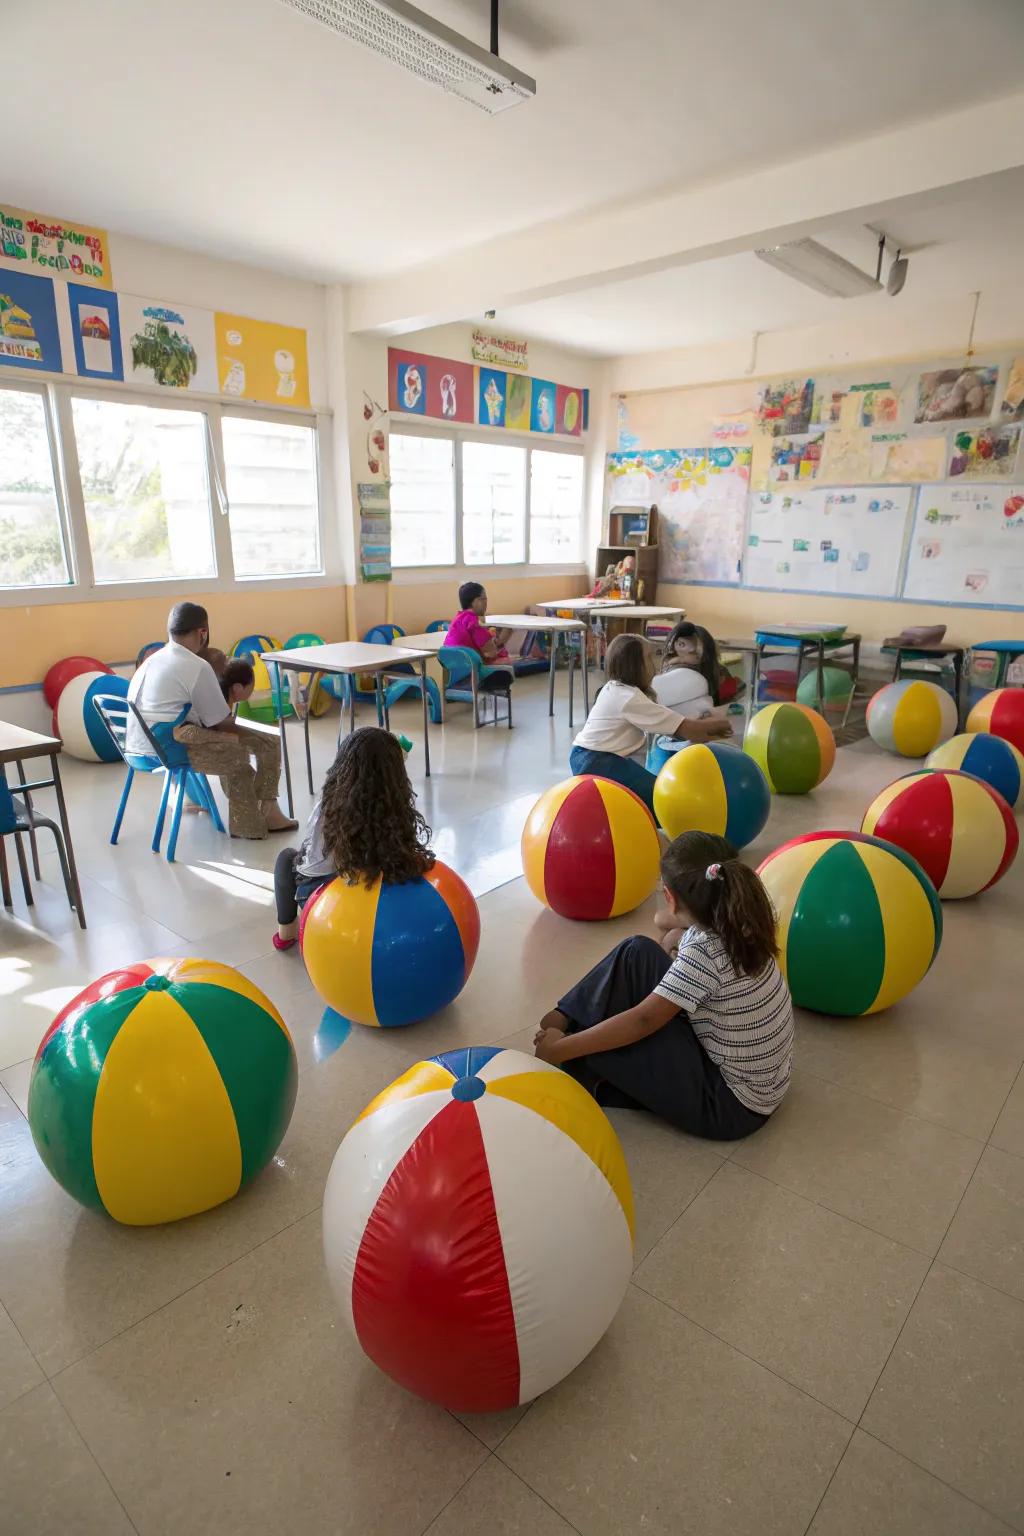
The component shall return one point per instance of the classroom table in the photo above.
(815, 643)
(906, 649)
(553, 627)
(344, 658)
(17, 744)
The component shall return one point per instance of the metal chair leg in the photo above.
(32, 824)
(5, 879)
(65, 867)
(26, 884)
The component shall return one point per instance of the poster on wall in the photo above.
(847, 540)
(505, 351)
(95, 332)
(260, 360)
(48, 247)
(701, 498)
(374, 531)
(492, 391)
(28, 323)
(568, 411)
(1013, 395)
(517, 405)
(168, 344)
(796, 458)
(543, 406)
(786, 405)
(967, 545)
(897, 456)
(988, 454)
(420, 385)
(878, 405)
(956, 394)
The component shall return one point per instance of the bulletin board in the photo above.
(967, 546)
(846, 540)
(701, 496)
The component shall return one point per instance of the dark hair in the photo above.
(216, 657)
(708, 666)
(628, 660)
(732, 903)
(371, 825)
(186, 618)
(239, 673)
(469, 592)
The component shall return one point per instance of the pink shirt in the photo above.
(466, 629)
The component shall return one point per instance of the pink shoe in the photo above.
(280, 943)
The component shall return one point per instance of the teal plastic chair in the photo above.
(465, 670)
(436, 626)
(408, 682)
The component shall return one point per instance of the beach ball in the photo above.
(859, 922)
(478, 1228)
(1002, 713)
(385, 954)
(960, 831)
(711, 787)
(837, 685)
(987, 757)
(911, 718)
(261, 705)
(77, 721)
(61, 673)
(590, 849)
(162, 1090)
(792, 746)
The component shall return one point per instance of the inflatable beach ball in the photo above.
(391, 954)
(1002, 713)
(792, 746)
(61, 673)
(960, 831)
(162, 1090)
(710, 787)
(911, 718)
(837, 685)
(987, 757)
(859, 922)
(478, 1228)
(590, 849)
(78, 722)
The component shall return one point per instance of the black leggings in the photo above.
(668, 1072)
(290, 890)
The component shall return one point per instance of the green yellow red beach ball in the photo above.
(859, 922)
(162, 1089)
(792, 746)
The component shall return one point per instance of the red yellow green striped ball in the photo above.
(711, 787)
(792, 746)
(911, 718)
(987, 757)
(957, 827)
(1002, 713)
(859, 922)
(162, 1089)
(590, 849)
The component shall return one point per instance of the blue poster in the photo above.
(411, 388)
(542, 406)
(493, 397)
(96, 330)
(28, 322)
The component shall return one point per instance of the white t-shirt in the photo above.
(170, 681)
(313, 860)
(684, 689)
(621, 719)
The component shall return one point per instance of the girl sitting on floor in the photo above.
(612, 741)
(705, 1039)
(365, 824)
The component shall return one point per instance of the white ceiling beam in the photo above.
(766, 207)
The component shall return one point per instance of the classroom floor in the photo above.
(825, 1330)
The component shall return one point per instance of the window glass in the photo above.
(270, 479)
(422, 500)
(493, 504)
(556, 506)
(32, 551)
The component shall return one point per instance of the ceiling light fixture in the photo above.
(817, 267)
(404, 35)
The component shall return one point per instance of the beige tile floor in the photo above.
(825, 1332)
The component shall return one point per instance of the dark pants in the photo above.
(290, 891)
(668, 1072)
(623, 770)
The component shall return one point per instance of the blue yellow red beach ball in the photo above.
(712, 787)
(590, 849)
(1002, 713)
(478, 1228)
(387, 955)
(859, 922)
(162, 1089)
(911, 717)
(987, 757)
(792, 746)
(959, 829)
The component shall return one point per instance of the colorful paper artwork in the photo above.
(732, 429)
(543, 406)
(492, 391)
(988, 454)
(701, 495)
(440, 387)
(168, 344)
(879, 406)
(1013, 395)
(568, 410)
(845, 458)
(896, 456)
(28, 322)
(374, 531)
(51, 248)
(828, 406)
(796, 458)
(785, 407)
(517, 406)
(956, 394)
(259, 360)
(505, 351)
(411, 388)
(95, 332)
(420, 385)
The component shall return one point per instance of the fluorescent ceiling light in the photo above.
(819, 268)
(404, 35)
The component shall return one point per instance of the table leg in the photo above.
(898, 668)
(66, 829)
(551, 673)
(305, 731)
(278, 697)
(33, 840)
(854, 680)
(821, 677)
(958, 676)
(426, 716)
(584, 662)
(572, 690)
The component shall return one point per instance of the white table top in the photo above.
(429, 641)
(345, 656)
(646, 611)
(586, 603)
(17, 742)
(542, 623)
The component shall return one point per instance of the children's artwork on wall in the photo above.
(988, 454)
(46, 247)
(411, 388)
(543, 406)
(168, 344)
(967, 545)
(956, 394)
(568, 410)
(786, 406)
(1013, 395)
(628, 442)
(517, 406)
(259, 360)
(796, 458)
(828, 406)
(492, 390)
(847, 540)
(419, 385)
(374, 532)
(701, 496)
(897, 456)
(733, 429)
(879, 406)
(845, 457)
(28, 323)
(95, 332)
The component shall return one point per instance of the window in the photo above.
(145, 490)
(32, 551)
(493, 504)
(556, 506)
(422, 500)
(270, 479)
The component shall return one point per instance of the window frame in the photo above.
(16, 596)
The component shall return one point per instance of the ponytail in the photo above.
(725, 896)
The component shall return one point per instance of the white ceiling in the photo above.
(239, 128)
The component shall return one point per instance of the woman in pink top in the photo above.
(466, 629)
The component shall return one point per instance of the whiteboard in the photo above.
(967, 545)
(701, 496)
(842, 539)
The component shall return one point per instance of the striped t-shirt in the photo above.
(744, 1023)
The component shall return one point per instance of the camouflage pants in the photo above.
(229, 758)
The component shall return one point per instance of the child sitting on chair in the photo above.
(467, 630)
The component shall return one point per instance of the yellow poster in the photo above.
(258, 360)
(517, 406)
(33, 242)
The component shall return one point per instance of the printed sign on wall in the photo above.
(504, 351)
(259, 360)
(28, 323)
(96, 332)
(168, 344)
(54, 248)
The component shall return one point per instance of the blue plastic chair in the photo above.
(168, 757)
(436, 625)
(466, 670)
(403, 676)
(147, 651)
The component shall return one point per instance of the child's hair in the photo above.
(371, 825)
(628, 660)
(469, 592)
(216, 657)
(708, 666)
(724, 895)
(236, 673)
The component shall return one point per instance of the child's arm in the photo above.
(622, 1029)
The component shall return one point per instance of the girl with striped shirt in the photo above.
(698, 1029)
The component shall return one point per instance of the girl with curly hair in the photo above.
(364, 825)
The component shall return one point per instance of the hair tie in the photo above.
(713, 872)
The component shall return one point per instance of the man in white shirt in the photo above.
(177, 694)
